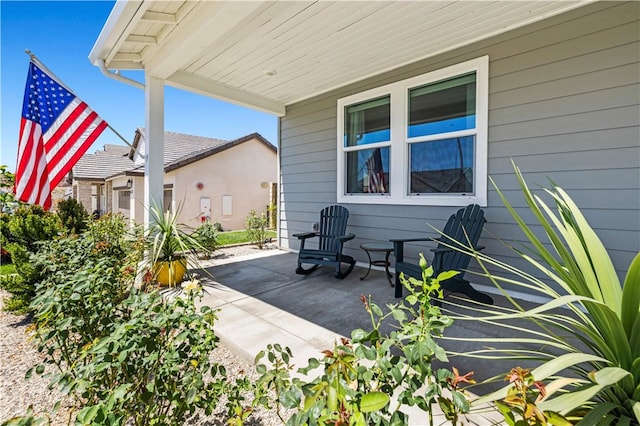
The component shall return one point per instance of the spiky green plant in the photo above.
(594, 376)
(167, 240)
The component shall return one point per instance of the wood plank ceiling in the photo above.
(270, 54)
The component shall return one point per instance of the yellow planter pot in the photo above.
(170, 273)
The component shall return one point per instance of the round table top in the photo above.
(377, 246)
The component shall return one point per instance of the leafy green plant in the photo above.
(7, 198)
(29, 225)
(519, 406)
(124, 354)
(7, 269)
(207, 236)
(153, 367)
(594, 376)
(73, 215)
(369, 379)
(256, 227)
(22, 233)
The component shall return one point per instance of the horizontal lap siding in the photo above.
(564, 105)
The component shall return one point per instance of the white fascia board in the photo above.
(114, 30)
(219, 91)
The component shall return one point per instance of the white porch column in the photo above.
(153, 164)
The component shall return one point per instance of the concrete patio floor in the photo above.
(262, 300)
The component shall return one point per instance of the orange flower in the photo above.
(457, 378)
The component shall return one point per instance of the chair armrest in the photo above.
(305, 235)
(441, 250)
(345, 238)
(398, 246)
(446, 249)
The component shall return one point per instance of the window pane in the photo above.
(368, 171)
(367, 122)
(443, 166)
(441, 107)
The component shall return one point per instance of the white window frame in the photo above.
(399, 155)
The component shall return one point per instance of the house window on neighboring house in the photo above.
(417, 141)
(102, 205)
(124, 200)
(168, 198)
(227, 205)
(95, 200)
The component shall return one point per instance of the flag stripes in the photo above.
(56, 129)
(375, 170)
(71, 140)
(34, 186)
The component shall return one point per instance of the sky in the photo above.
(61, 34)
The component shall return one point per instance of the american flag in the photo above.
(56, 129)
(376, 172)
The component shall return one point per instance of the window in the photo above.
(367, 138)
(417, 141)
(167, 199)
(227, 204)
(124, 200)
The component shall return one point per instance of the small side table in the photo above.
(385, 248)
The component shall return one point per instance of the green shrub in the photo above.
(207, 236)
(154, 368)
(20, 285)
(256, 227)
(73, 215)
(125, 355)
(21, 235)
(7, 198)
(128, 357)
(30, 225)
(359, 378)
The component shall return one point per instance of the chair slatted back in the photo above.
(333, 224)
(463, 227)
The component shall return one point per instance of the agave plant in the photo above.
(170, 246)
(595, 378)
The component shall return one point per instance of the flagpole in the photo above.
(48, 71)
(120, 136)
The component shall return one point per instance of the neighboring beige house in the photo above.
(209, 180)
(88, 177)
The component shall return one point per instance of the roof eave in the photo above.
(115, 29)
(202, 155)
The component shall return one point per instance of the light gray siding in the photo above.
(564, 104)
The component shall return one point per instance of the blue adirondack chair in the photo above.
(331, 238)
(462, 229)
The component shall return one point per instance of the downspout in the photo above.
(116, 76)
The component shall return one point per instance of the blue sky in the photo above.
(61, 34)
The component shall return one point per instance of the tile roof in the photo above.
(177, 146)
(112, 160)
(179, 149)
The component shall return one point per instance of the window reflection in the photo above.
(368, 122)
(442, 166)
(368, 171)
(442, 107)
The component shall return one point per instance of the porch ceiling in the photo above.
(269, 54)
